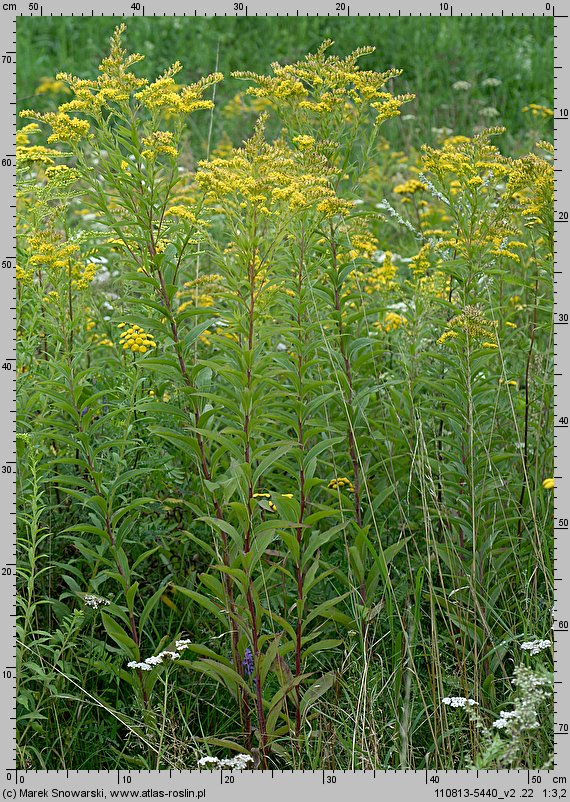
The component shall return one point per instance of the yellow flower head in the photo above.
(321, 84)
(539, 111)
(64, 128)
(341, 483)
(165, 95)
(271, 179)
(472, 322)
(410, 187)
(159, 142)
(135, 339)
(304, 141)
(548, 484)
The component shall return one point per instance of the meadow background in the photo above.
(433, 53)
(416, 635)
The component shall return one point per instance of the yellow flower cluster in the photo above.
(381, 277)
(506, 253)
(48, 250)
(437, 284)
(391, 322)
(457, 139)
(470, 161)
(267, 497)
(114, 85)
(447, 335)
(23, 134)
(222, 332)
(320, 84)
(83, 274)
(304, 141)
(51, 297)
(531, 182)
(182, 212)
(240, 105)
(271, 178)
(24, 277)
(95, 338)
(427, 274)
(410, 187)
(199, 292)
(340, 483)
(165, 95)
(332, 205)
(539, 111)
(47, 85)
(62, 174)
(360, 242)
(159, 142)
(35, 154)
(27, 154)
(135, 339)
(472, 322)
(377, 279)
(64, 128)
(548, 484)
(527, 182)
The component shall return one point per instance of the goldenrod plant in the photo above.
(285, 413)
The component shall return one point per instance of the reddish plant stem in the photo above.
(206, 473)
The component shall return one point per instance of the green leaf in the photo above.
(221, 672)
(267, 462)
(118, 634)
(269, 658)
(316, 690)
(224, 526)
(204, 602)
(321, 646)
(150, 606)
(327, 609)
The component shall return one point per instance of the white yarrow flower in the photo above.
(458, 701)
(95, 601)
(157, 659)
(535, 646)
(154, 661)
(140, 666)
(238, 762)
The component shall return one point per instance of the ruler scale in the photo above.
(17, 782)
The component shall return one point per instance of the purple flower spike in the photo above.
(248, 662)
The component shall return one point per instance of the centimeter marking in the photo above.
(343, 10)
(245, 13)
(11, 671)
(557, 333)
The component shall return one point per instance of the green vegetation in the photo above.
(285, 410)
(433, 53)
